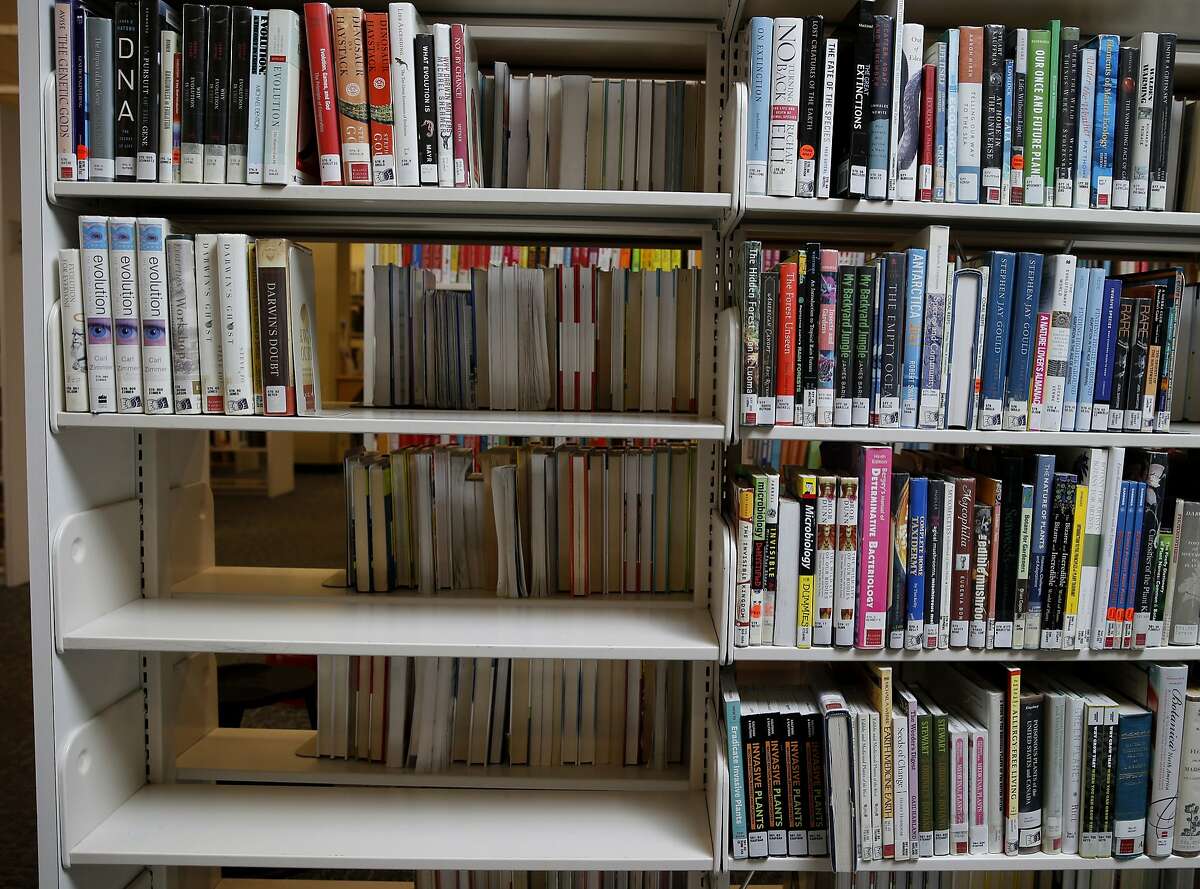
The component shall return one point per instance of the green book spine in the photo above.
(1055, 29)
(941, 785)
(1037, 85)
(925, 785)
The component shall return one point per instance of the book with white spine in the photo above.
(208, 320)
(828, 98)
(1083, 143)
(185, 342)
(74, 332)
(97, 307)
(155, 313)
(1058, 292)
(168, 110)
(233, 287)
(784, 104)
(445, 108)
(127, 347)
(283, 101)
(1139, 177)
(302, 305)
(257, 130)
(403, 25)
(907, 142)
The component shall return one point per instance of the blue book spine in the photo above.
(939, 125)
(918, 528)
(1129, 583)
(1117, 577)
(951, 115)
(995, 339)
(1010, 73)
(877, 342)
(1132, 783)
(737, 779)
(1091, 343)
(879, 145)
(1104, 123)
(1027, 289)
(1083, 280)
(1105, 353)
(1043, 483)
(759, 112)
(914, 328)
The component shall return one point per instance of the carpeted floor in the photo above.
(18, 840)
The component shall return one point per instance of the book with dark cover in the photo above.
(773, 783)
(1098, 779)
(193, 90)
(1043, 486)
(864, 329)
(1011, 474)
(1139, 354)
(918, 536)
(1067, 117)
(753, 742)
(1131, 782)
(239, 93)
(150, 27)
(79, 89)
(1150, 467)
(750, 300)
(808, 314)
(275, 343)
(1128, 65)
(1017, 196)
(425, 80)
(1058, 559)
(941, 783)
(795, 776)
(1164, 87)
(925, 783)
(125, 83)
(981, 545)
(216, 112)
(1029, 804)
(933, 561)
(812, 71)
(816, 809)
(960, 574)
(843, 368)
(857, 34)
(892, 342)
(1021, 557)
(879, 130)
(1173, 281)
(898, 599)
(1121, 360)
(992, 145)
(766, 346)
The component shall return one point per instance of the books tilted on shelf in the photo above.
(183, 324)
(981, 115)
(929, 340)
(901, 764)
(525, 521)
(434, 714)
(995, 549)
(333, 95)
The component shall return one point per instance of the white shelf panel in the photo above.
(1183, 435)
(424, 422)
(1036, 861)
(270, 756)
(772, 654)
(278, 826)
(435, 626)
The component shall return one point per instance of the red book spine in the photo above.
(960, 571)
(928, 118)
(324, 91)
(785, 373)
(379, 98)
(458, 105)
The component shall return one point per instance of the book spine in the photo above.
(853, 166)
(845, 587)
(1020, 79)
(918, 517)
(185, 344)
(379, 99)
(1089, 351)
(759, 83)
(808, 348)
(758, 558)
(351, 94)
(426, 90)
(1083, 278)
(897, 607)
(101, 109)
(981, 568)
(233, 287)
(1021, 590)
(1131, 784)
(970, 112)
(949, 535)
(1037, 386)
(1155, 636)
(744, 518)
(806, 591)
(1126, 311)
(283, 91)
(953, 51)
(1126, 111)
(1026, 288)
(1038, 546)
(826, 560)
(827, 326)
(938, 54)
(914, 323)
(64, 104)
(908, 139)
(995, 342)
(963, 532)
(256, 117)
(925, 785)
(816, 805)
(980, 325)
(928, 130)
(1106, 354)
(208, 318)
(1006, 160)
(864, 312)
(80, 88)
(875, 509)
(1029, 819)
(97, 308)
(127, 350)
(1054, 27)
(149, 82)
(751, 310)
(1058, 560)
(941, 785)
(992, 147)
(1166, 376)
(170, 108)
(403, 29)
(843, 368)
(1143, 129)
(933, 560)
(959, 790)
(931, 408)
(1092, 543)
(773, 773)
(155, 315)
(238, 132)
(1166, 694)
(217, 97)
(739, 841)
(279, 391)
(1066, 118)
(753, 731)
(1187, 842)
(1037, 97)
(784, 107)
(891, 340)
(767, 343)
(811, 80)
(1164, 93)
(458, 106)
(828, 104)
(1139, 356)
(445, 103)
(125, 93)
(881, 108)
(74, 331)
(771, 561)
(1154, 363)
(1086, 127)
(324, 91)
(795, 775)
(1059, 352)
(1104, 120)
(784, 324)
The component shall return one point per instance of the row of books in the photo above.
(926, 762)
(591, 879)
(571, 338)
(923, 550)
(431, 714)
(226, 93)
(921, 339)
(158, 323)
(978, 115)
(526, 521)
(1125, 878)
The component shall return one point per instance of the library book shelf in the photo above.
(137, 786)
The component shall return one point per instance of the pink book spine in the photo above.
(1037, 386)
(958, 822)
(874, 562)
(458, 105)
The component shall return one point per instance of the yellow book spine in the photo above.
(1078, 528)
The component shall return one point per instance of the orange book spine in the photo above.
(351, 70)
(379, 98)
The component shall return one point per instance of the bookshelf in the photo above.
(128, 606)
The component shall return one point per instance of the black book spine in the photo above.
(125, 95)
(794, 777)
(773, 780)
(1010, 543)
(855, 83)
(1139, 356)
(1058, 557)
(881, 108)
(864, 341)
(843, 367)
(807, 338)
(1106, 778)
(771, 555)
(1155, 477)
(766, 345)
(1017, 197)
(992, 148)
(239, 89)
(1029, 785)
(933, 559)
(1068, 117)
(1120, 368)
(893, 340)
(981, 524)
(149, 84)
(194, 89)
(812, 72)
(753, 745)
(1128, 63)
(426, 86)
(1164, 87)
(216, 112)
(816, 806)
